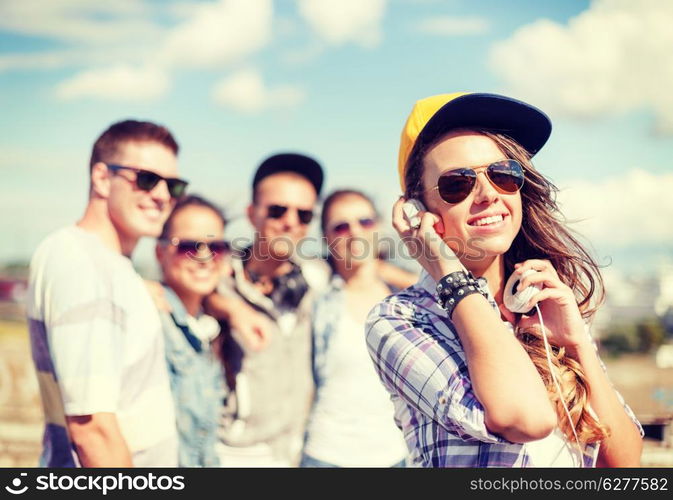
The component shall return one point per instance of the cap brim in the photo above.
(526, 124)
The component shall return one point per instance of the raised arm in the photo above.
(250, 328)
(504, 378)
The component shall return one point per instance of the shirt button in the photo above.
(442, 400)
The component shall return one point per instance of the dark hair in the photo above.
(107, 145)
(543, 235)
(335, 196)
(191, 200)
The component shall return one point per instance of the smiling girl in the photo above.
(470, 380)
(192, 253)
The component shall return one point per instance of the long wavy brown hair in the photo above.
(543, 235)
(573, 387)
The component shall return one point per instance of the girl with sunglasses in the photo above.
(475, 385)
(351, 422)
(191, 252)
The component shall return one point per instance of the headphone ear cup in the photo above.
(516, 302)
(411, 209)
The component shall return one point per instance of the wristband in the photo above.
(454, 287)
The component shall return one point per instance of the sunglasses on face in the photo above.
(342, 228)
(187, 248)
(277, 211)
(455, 185)
(147, 180)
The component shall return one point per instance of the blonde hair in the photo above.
(574, 388)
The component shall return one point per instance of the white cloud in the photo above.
(246, 92)
(79, 20)
(125, 57)
(118, 83)
(209, 34)
(39, 60)
(614, 57)
(340, 22)
(74, 57)
(631, 209)
(219, 33)
(453, 26)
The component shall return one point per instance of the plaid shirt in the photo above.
(420, 360)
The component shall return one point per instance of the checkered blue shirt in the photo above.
(420, 360)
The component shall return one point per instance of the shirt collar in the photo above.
(246, 288)
(241, 284)
(198, 331)
(178, 310)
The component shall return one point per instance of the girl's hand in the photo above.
(425, 243)
(562, 318)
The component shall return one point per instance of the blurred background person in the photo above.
(270, 383)
(191, 252)
(351, 423)
(93, 326)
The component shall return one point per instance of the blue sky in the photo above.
(237, 80)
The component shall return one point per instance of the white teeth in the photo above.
(488, 220)
(152, 212)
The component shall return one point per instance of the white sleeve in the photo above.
(85, 331)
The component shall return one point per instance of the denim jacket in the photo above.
(197, 383)
(327, 311)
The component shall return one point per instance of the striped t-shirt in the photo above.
(98, 347)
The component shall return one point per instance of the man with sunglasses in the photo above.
(95, 333)
(271, 388)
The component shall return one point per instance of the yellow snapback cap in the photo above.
(436, 115)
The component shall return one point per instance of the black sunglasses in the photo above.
(216, 248)
(455, 185)
(277, 211)
(147, 180)
(341, 228)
